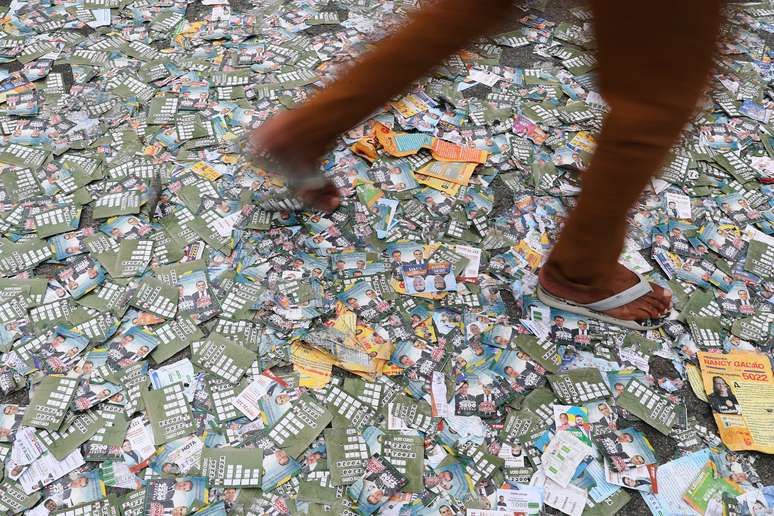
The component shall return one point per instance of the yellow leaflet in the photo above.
(533, 257)
(313, 366)
(346, 320)
(429, 249)
(206, 171)
(369, 377)
(365, 338)
(584, 141)
(187, 32)
(446, 187)
(152, 150)
(397, 285)
(458, 173)
(696, 382)
(385, 352)
(409, 106)
(372, 343)
(739, 387)
(440, 295)
(391, 370)
(230, 159)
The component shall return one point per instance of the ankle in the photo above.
(554, 272)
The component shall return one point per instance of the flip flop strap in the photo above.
(622, 298)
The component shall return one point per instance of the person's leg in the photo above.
(301, 136)
(654, 60)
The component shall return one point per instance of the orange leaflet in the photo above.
(384, 137)
(739, 388)
(365, 147)
(447, 151)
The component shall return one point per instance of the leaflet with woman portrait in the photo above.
(740, 387)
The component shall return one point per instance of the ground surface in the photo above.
(557, 11)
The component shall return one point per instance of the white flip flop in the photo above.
(594, 310)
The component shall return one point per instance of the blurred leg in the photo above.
(654, 61)
(301, 136)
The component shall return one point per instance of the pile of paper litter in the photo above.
(171, 342)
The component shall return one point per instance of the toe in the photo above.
(654, 308)
(664, 297)
(661, 291)
(658, 303)
(640, 312)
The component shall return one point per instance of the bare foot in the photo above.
(296, 158)
(324, 199)
(650, 306)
